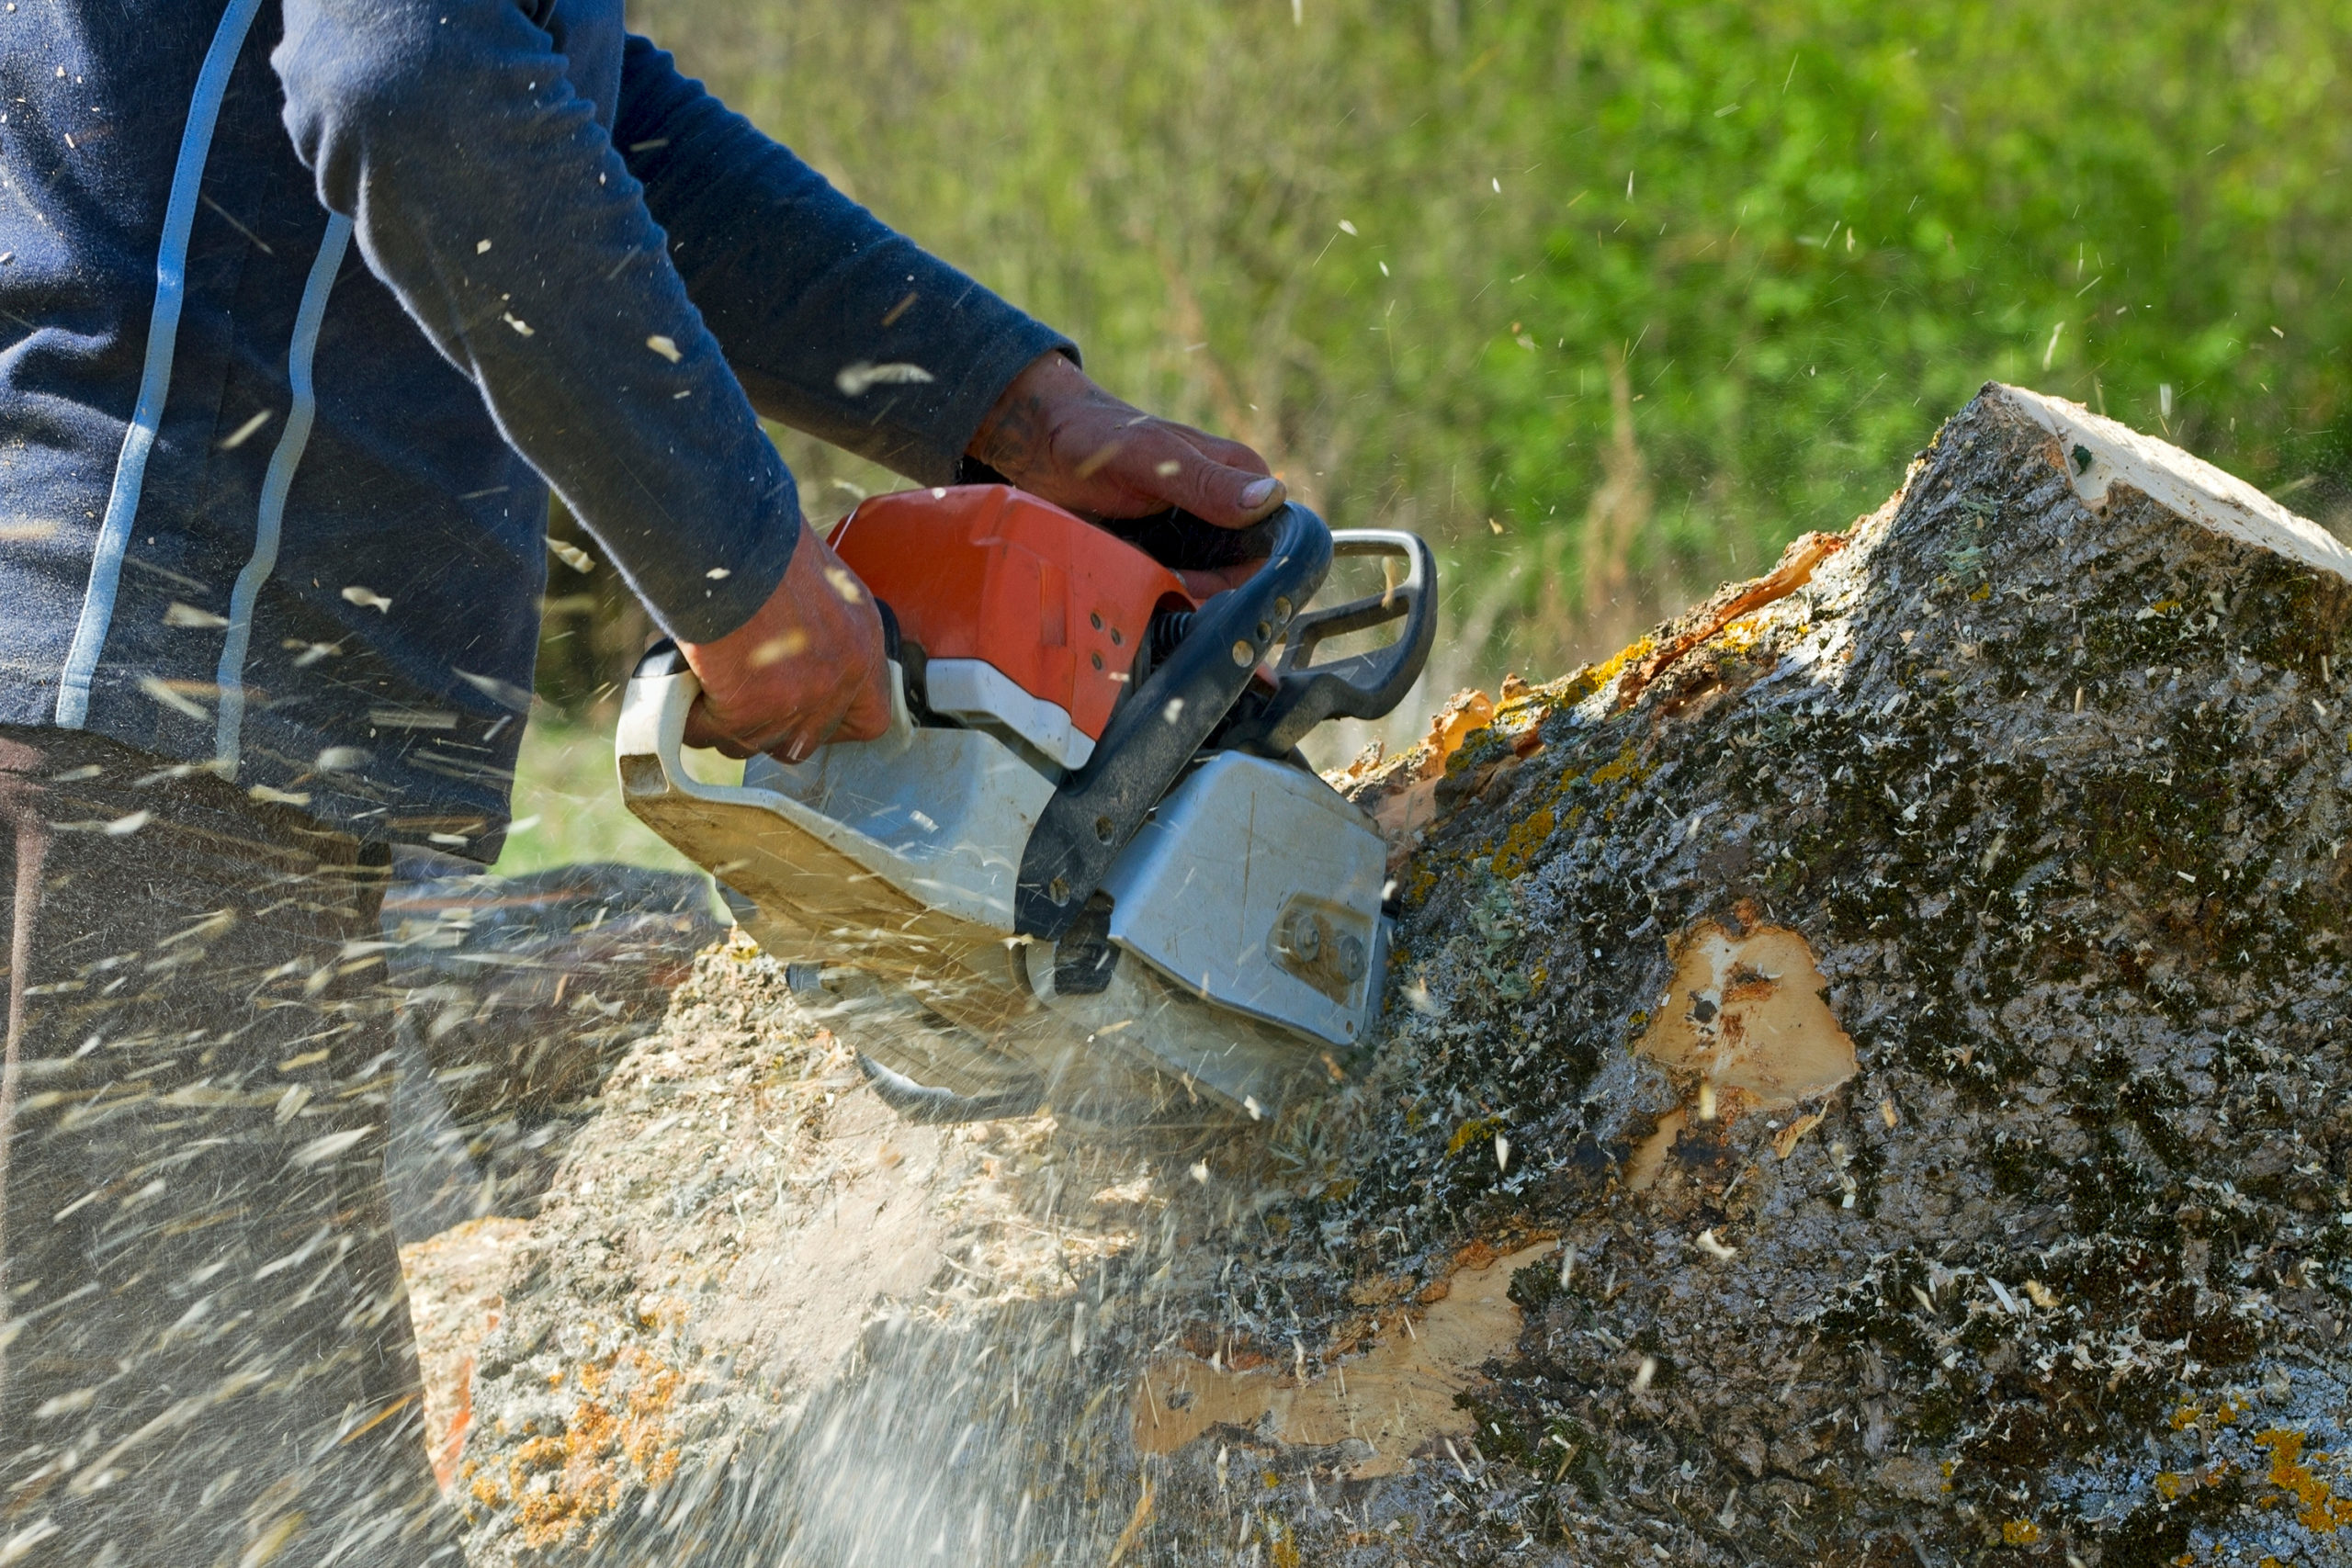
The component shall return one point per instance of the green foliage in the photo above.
(1404, 245)
(566, 808)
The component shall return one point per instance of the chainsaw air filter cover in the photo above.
(1027, 617)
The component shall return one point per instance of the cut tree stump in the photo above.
(1866, 1084)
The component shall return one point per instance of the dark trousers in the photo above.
(205, 1355)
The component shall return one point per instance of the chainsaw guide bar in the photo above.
(1085, 868)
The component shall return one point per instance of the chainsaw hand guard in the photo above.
(1162, 726)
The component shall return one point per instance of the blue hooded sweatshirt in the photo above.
(305, 303)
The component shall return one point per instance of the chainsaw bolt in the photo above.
(1058, 890)
(1103, 828)
(1304, 937)
(1265, 630)
(1350, 958)
(1244, 655)
(1281, 611)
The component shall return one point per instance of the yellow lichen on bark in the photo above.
(560, 1484)
(2318, 1508)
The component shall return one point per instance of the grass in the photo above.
(1610, 297)
(568, 804)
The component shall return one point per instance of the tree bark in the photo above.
(1866, 1084)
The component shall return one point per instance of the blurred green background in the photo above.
(1610, 297)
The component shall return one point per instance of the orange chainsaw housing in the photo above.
(987, 572)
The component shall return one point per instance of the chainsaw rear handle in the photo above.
(663, 690)
(1163, 724)
(1356, 685)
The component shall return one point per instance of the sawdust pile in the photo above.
(1866, 1083)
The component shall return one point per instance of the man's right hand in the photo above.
(808, 667)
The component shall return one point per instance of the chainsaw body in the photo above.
(1085, 867)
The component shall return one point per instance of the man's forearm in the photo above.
(836, 324)
(488, 197)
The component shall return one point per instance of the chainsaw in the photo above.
(1087, 867)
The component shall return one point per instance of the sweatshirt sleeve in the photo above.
(486, 195)
(836, 324)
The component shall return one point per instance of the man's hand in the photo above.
(809, 667)
(1059, 436)
(806, 669)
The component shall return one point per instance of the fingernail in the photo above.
(1260, 492)
(796, 752)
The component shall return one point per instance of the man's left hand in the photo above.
(1059, 436)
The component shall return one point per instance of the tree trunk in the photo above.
(1866, 1084)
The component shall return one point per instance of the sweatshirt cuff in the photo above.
(695, 603)
(985, 376)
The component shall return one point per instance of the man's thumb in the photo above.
(1230, 497)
